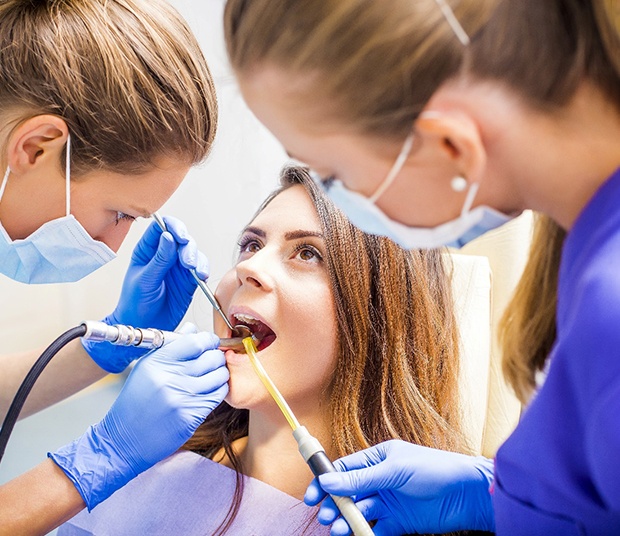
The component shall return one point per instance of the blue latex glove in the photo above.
(157, 289)
(166, 397)
(409, 489)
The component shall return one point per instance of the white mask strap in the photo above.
(4, 181)
(67, 178)
(469, 198)
(398, 165)
(68, 175)
(454, 23)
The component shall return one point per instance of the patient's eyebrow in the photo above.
(295, 235)
(255, 230)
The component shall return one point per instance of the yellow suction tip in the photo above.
(250, 349)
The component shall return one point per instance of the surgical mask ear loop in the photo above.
(454, 23)
(4, 181)
(398, 165)
(68, 175)
(469, 198)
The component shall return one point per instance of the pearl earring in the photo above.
(458, 183)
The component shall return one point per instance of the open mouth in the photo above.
(260, 330)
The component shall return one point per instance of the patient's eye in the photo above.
(308, 253)
(249, 244)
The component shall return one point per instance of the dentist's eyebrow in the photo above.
(296, 235)
(297, 159)
(142, 212)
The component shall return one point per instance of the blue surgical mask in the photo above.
(60, 251)
(363, 213)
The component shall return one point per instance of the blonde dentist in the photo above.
(104, 106)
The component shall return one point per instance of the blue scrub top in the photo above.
(559, 472)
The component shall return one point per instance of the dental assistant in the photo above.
(104, 106)
(433, 122)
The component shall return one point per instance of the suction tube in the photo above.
(90, 330)
(312, 451)
(30, 379)
(309, 446)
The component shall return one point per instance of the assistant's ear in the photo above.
(457, 137)
(37, 142)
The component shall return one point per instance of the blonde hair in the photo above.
(127, 76)
(378, 68)
(396, 374)
(532, 310)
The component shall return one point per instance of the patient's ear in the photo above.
(457, 138)
(37, 143)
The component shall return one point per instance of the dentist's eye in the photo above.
(325, 183)
(120, 216)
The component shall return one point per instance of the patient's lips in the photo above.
(259, 329)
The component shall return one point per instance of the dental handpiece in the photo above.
(149, 338)
(201, 284)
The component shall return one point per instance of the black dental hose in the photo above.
(31, 378)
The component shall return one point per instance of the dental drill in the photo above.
(149, 338)
(120, 335)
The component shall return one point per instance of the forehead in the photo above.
(291, 208)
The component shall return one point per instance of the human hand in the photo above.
(166, 397)
(408, 489)
(157, 289)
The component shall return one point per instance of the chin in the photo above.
(246, 393)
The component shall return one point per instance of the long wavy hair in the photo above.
(397, 357)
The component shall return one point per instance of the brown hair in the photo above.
(127, 76)
(398, 346)
(378, 68)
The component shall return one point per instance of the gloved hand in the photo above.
(157, 289)
(409, 489)
(167, 395)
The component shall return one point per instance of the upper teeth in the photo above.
(245, 318)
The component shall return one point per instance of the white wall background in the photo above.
(215, 201)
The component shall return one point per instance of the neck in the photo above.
(270, 452)
(558, 160)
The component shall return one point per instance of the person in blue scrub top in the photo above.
(432, 122)
(104, 106)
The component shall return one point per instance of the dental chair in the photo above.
(485, 275)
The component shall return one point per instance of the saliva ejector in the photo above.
(309, 446)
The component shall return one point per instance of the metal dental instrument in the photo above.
(151, 338)
(239, 331)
